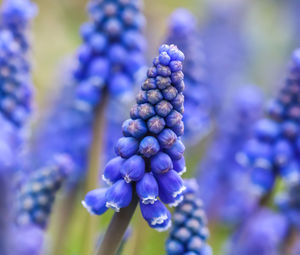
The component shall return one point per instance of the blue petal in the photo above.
(174, 247)
(112, 170)
(95, 201)
(149, 146)
(147, 189)
(163, 108)
(167, 138)
(133, 169)
(176, 151)
(161, 163)
(179, 166)
(126, 147)
(156, 124)
(119, 195)
(173, 118)
(154, 96)
(170, 183)
(155, 214)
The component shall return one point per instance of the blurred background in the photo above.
(262, 35)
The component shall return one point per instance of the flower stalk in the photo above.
(91, 223)
(116, 229)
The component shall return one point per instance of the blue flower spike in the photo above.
(273, 151)
(112, 51)
(189, 232)
(150, 154)
(15, 68)
(182, 31)
(38, 193)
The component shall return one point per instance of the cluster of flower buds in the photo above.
(182, 31)
(274, 149)
(258, 235)
(16, 84)
(219, 168)
(189, 233)
(112, 50)
(38, 193)
(150, 154)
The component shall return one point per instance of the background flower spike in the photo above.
(38, 193)
(189, 232)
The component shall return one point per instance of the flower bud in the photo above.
(119, 195)
(111, 172)
(147, 189)
(95, 201)
(133, 169)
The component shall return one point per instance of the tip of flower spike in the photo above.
(182, 21)
(65, 163)
(191, 186)
(173, 52)
(16, 11)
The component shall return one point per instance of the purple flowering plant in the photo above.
(150, 157)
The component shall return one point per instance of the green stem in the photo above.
(62, 221)
(116, 229)
(90, 224)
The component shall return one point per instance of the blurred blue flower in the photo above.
(225, 46)
(38, 193)
(112, 50)
(258, 235)
(182, 31)
(189, 232)
(273, 150)
(222, 181)
(15, 76)
(150, 145)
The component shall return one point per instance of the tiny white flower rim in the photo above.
(176, 202)
(113, 206)
(107, 181)
(87, 207)
(159, 220)
(127, 178)
(149, 200)
(179, 192)
(162, 229)
(182, 171)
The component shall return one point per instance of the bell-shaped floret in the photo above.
(119, 195)
(95, 201)
(147, 189)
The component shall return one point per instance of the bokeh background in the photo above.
(269, 32)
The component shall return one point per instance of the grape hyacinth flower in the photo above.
(189, 233)
(226, 61)
(229, 200)
(112, 50)
(38, 193)
(258, 235)
(273, 150)
(182, 31)
(15, 75)
(150, 157)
